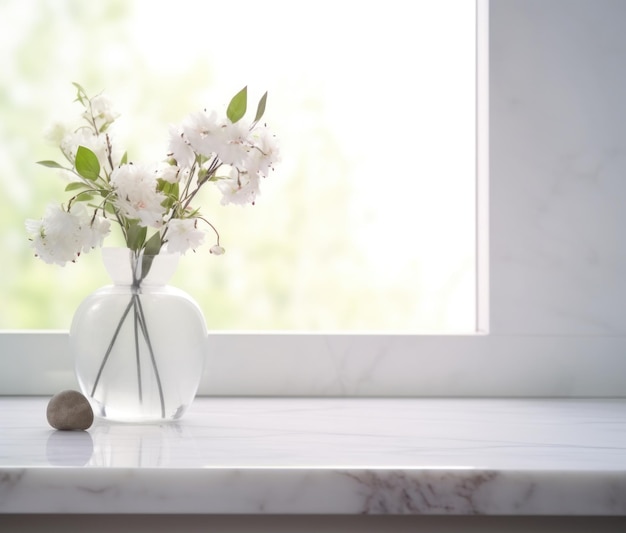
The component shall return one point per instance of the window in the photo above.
(367, 224)
(555, 262)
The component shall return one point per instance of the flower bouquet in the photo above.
(153, 207)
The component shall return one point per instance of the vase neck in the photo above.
(140, 266)
(127, 267)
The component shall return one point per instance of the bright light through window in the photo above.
(368, 224)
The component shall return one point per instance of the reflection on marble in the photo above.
(69, 448)
(340, 456)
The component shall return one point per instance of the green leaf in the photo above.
(151, 249)
(81, 93)
(124, 159)
(79, 87)
(153, 244)
(87, 164)
(175, 190)
(238, 105)
(109, 208)
(84, 196)
(49, 164)
(136, 235)
(170, 190)
(261, 108)
(76, 185)
(163, 186)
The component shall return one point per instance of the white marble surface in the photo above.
(330, 456)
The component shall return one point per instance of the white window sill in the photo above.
(324, 456)
(267, 364)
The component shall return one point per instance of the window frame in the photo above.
(510, 358)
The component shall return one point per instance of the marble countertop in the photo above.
(324, 456)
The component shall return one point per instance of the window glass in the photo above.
(368, 223)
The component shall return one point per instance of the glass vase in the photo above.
(139, 345)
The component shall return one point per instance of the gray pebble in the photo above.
(69, 410)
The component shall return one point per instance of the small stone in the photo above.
(69, 410)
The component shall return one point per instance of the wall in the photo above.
(558, 163)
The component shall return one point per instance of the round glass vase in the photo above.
(139, 345)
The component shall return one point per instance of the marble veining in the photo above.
(324, 456)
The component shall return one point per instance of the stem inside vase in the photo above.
(140, 267)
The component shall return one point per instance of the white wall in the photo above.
(558, 159)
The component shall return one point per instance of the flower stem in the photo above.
(136, 329)
(139, 324)
(111, 344)
(144, 329)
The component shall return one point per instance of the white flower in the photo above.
(180, 149)
(209, 137)
(239, 188)
(216, 250)
(137, 195)
(183, 235)
(95, 232)
(233, 144)
(201, 129)
(265, 152)
(60, 236)
(102, 110)
(171, 173)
